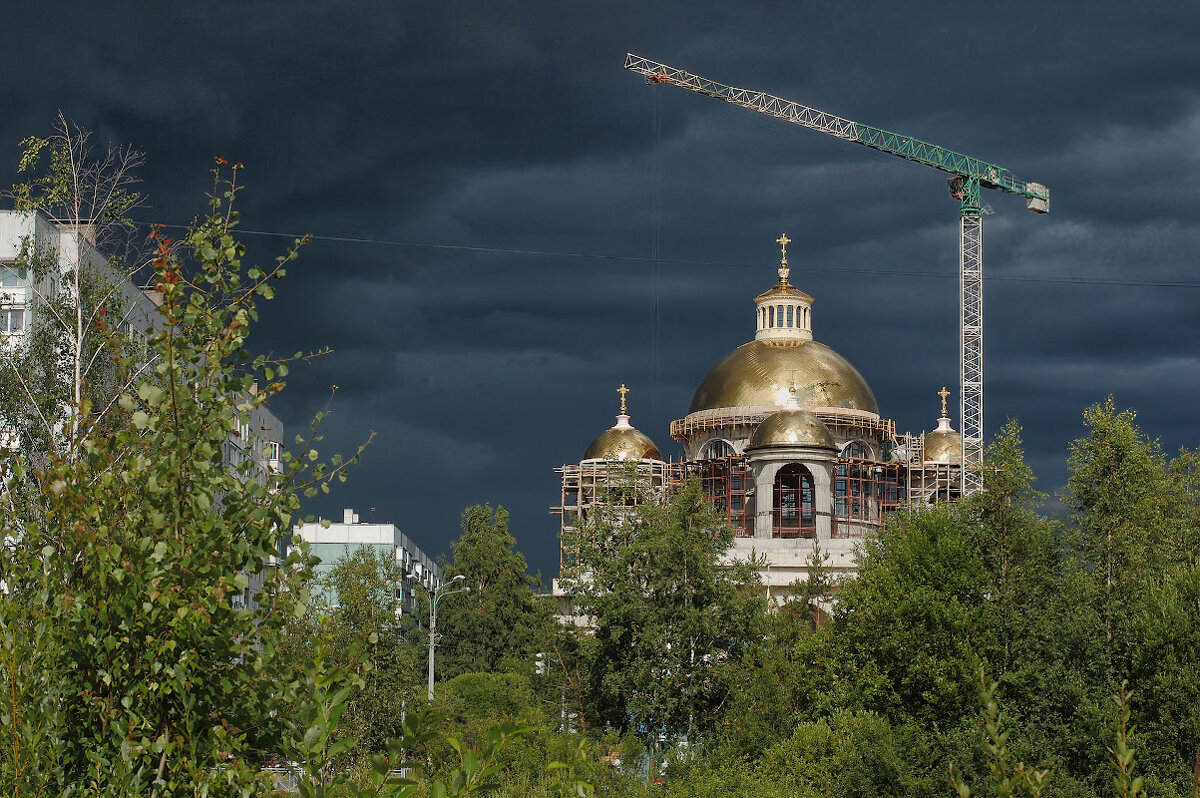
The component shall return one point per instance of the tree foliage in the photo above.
(669, 613)
(364, 634)
(122, 557)
(498, 624)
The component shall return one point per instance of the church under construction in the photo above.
(787, 440)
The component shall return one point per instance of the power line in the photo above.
(707, 263)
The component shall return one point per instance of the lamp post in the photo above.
(434, 596)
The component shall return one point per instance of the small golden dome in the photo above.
(943, 445)
(791, 427)
(759, 373)
(622, 441)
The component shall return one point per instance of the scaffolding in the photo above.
(593, 484)
(928, 482)
(726, 481)
(853, 423)
(865, 491)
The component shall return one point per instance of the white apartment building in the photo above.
(331, 541)
(129, 308)
(132, 309)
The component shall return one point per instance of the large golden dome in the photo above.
(761, 373)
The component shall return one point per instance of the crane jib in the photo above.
(985, 174)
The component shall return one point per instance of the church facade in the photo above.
(789, 444)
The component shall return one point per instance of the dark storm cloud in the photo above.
(512, 127)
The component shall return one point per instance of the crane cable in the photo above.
(656, 255)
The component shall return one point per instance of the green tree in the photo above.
(499, 623)
(1130, 511)
(1164, 663)
(1023, 624)
(121, 567)
(669, 612)
(364, 635)
(785, 677)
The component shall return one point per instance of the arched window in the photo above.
(857, 450)
(794, 512)
(716, 448)
(856, 491)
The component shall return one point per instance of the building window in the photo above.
(794, 514)
(12, 277)
(771, 316)
(12, 320)
(717, 448)
(863, 493)
(724, 482)
(856, 449)
(853, 490)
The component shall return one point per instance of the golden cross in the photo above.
(783, 241)
(943, 393)
(622, 390)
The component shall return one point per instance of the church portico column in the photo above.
(822, 498)
(764, 495)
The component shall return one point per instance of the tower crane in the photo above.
(967, 176)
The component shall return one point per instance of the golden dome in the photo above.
(760, 374)
(943, 445)
(791, 427)
(622, 443)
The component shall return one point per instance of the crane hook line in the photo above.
(656, 256)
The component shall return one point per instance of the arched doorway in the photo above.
(794, 511)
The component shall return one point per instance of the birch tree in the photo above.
(62, 376)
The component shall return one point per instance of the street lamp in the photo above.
(434, 596)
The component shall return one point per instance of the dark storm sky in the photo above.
(480, 136)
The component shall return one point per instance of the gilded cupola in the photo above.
(622, 441)
(944, 444)
(791, 426)
(782, 354)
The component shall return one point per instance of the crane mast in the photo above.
(968, 176)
